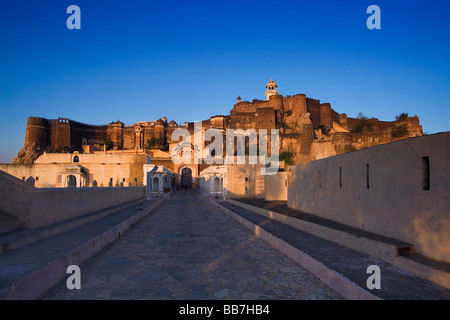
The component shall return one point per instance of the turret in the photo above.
(37, 131)
(326, 116)
(271, 89)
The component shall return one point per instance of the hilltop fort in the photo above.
(309, 130)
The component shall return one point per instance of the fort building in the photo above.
(309, 130)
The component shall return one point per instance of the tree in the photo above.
(400, 131)
(401, 116)
(283, 125)
(153, 143)
(361, 116)
(325, 130)
(287, 156)
(108, 143)
(364, 124)
(165, 147)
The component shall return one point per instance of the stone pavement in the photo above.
(189, 249)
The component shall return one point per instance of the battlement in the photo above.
(37, 120)
(296, 114)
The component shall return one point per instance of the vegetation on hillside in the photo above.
(287, 156)
(401, 116)
(364, 124)
(400, 131)
(325, 130)
(153, 143)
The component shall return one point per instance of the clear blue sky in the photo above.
(189, 60)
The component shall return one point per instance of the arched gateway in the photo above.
(186, 178)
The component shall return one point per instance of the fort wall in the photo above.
(40, 207)
(293, 115)
(276, 187)
(398, 190)
(37, 131)
(49, 169)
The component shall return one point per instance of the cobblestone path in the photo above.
(189, 249)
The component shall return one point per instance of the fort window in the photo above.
(320, 179)
(23, 178)
(426, 173)
(76, 159)
(37, 178)
(246, 179)
(123, 180)
(367, 177)
(340, 177)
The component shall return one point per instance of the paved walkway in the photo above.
(189, 249)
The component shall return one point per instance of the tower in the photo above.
(271, 89)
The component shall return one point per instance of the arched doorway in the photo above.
(155, 184)
(186, 178)
(217, 186)
(71, 181)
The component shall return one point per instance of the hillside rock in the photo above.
(29, 153)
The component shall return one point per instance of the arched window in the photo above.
(76, 159)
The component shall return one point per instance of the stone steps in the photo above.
(394, 252)
(29, 271)
(341, 268)
(360, 240)
(7, 223)
(16, 238)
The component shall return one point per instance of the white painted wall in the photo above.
(276, 187)
(395, 205)
(36, 207)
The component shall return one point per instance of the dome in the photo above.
(173, 123)
(164, 119)
(159, 121)
(271, 89)
(272, 84)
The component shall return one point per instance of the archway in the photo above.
(155, 183)
(186, 178)
(217, 186)
(71, 181)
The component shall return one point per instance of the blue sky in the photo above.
(189, 60)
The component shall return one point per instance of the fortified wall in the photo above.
(398, 190)
(40, 207)
(309, 130)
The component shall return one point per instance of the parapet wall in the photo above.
(276, 187)
(399, 190)
(40, 207)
